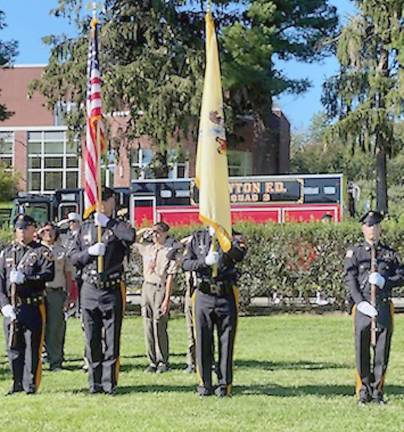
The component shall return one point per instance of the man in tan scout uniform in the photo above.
(158, 273)
(56, 296)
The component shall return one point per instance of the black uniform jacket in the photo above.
(197, 250)
(117, 237)
(34, 260)
(358, 269)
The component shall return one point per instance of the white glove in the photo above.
(97, 249)
(100, 219)
(212, 258)
(377, 279)
(8, 312)
(367, 309)
(17, 277)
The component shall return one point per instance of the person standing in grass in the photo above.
(215, 304)
(158, 272)
(56, 297)
(25, 267)
(103, 293)
(359, 276)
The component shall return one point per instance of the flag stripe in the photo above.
(94, 124)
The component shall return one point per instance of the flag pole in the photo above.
(215, 270)
(100, 260)
(99, 198)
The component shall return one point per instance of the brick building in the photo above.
(33, 141)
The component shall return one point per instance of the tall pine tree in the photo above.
(365, 97)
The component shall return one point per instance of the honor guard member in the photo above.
(158, 271)
(359, 276)
(102, 294)
(215, 304)
(25, 267)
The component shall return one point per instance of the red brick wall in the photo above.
(32, 112)
(14, 84)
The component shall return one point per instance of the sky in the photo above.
(29, 20)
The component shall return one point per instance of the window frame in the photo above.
(43, 156)
(9, 155)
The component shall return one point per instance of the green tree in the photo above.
(311, 154)
(270, 31)
(365, 97)
(8, 183)
(8, 50)
(152, 57)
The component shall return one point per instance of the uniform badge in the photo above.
(349, 253)
(48, 255)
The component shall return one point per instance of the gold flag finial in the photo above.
(94, 7)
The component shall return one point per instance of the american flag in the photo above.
(94, 121)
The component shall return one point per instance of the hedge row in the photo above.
(293, 260)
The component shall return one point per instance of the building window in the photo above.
(179, 166)
(60, 110)
(7, 150)
(240, 163)
(53, 162)
(140, 163)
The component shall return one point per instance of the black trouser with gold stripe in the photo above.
(25, 357)
(102, 329)
(210, 311)
(370, 375)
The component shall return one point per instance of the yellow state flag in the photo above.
(211, 160)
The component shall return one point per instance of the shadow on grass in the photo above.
(329, 390)
(297, 365)
(152, 388)
(128, 367)
(139, 356)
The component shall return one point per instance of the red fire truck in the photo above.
(297, 198)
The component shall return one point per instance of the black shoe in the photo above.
(55, 369)
(379, 400)
(364, 400)
(96, 390)
(150, 369)
(162, 368)
(190, 369)
(204, 391)
(111, 392)
(222, 392)
(16, 388)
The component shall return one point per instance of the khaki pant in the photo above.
(190, 328)
(55, 326)
(155, 324)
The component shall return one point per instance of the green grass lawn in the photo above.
(292, 373)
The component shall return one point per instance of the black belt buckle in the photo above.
(215, 289)
(30, 300)
(109, 284)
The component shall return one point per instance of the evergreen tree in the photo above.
(365, 97)
(8, 50)
(152, 58)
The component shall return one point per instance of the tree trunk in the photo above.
(381, 180)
